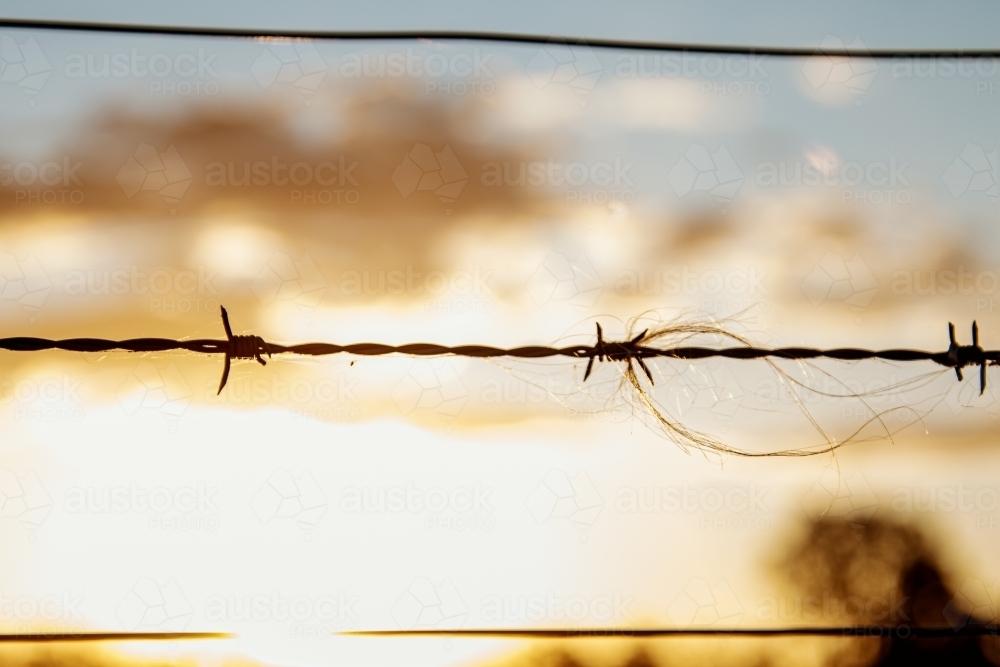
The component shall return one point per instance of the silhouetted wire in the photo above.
(46, 637)
(633, 352)
(487, 36)
(887, 631)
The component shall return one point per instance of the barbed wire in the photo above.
(629, 351)
(633, 351)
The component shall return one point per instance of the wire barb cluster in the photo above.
(241, 347)
(960, 356)
(627, 351)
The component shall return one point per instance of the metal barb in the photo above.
(240, 347)
(627, 351)
(960, 356)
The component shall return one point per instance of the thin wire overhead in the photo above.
(487, 36)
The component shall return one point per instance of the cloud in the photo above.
(258, 156)
(674, 105)
(677, 105)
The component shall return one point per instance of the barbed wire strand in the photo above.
(634, 352)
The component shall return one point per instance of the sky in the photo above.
(469, 192)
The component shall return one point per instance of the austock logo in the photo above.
(165, 289)
(185, 73)
(153, 606)
(149, 170)
(840, 78)
(966, 395)
(981, 71)
(149, 388)
(834, 608)
(701, 171)
(837, 496)
(427, 605)
(299, 391)
(877, 182)
(974, 170)
(945, 499)
(453, 73)
(24, 281)
(717, 508)
(326, 182)
(398, 282)
(412, 499)
(24, 499)
(23, 64)
(424, 169)
(43, 398)
(120, 65)
(612, 608)
(560, 496)
(431, 386)
(305, 615)
(834, 279)
(702, 605)
(717, 74)
(715, 390)
(298, 64)
(561, 278)
(975, 603)
(49, 182)
(600, 182)
(286, 497)
(460, 508)
(183, 508)
(575, 66)
(62, 611)
(284, 279)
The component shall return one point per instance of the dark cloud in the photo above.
(347, 192)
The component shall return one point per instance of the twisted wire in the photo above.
(211, 346)
(253, 347)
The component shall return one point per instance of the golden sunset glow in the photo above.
(509, 200)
